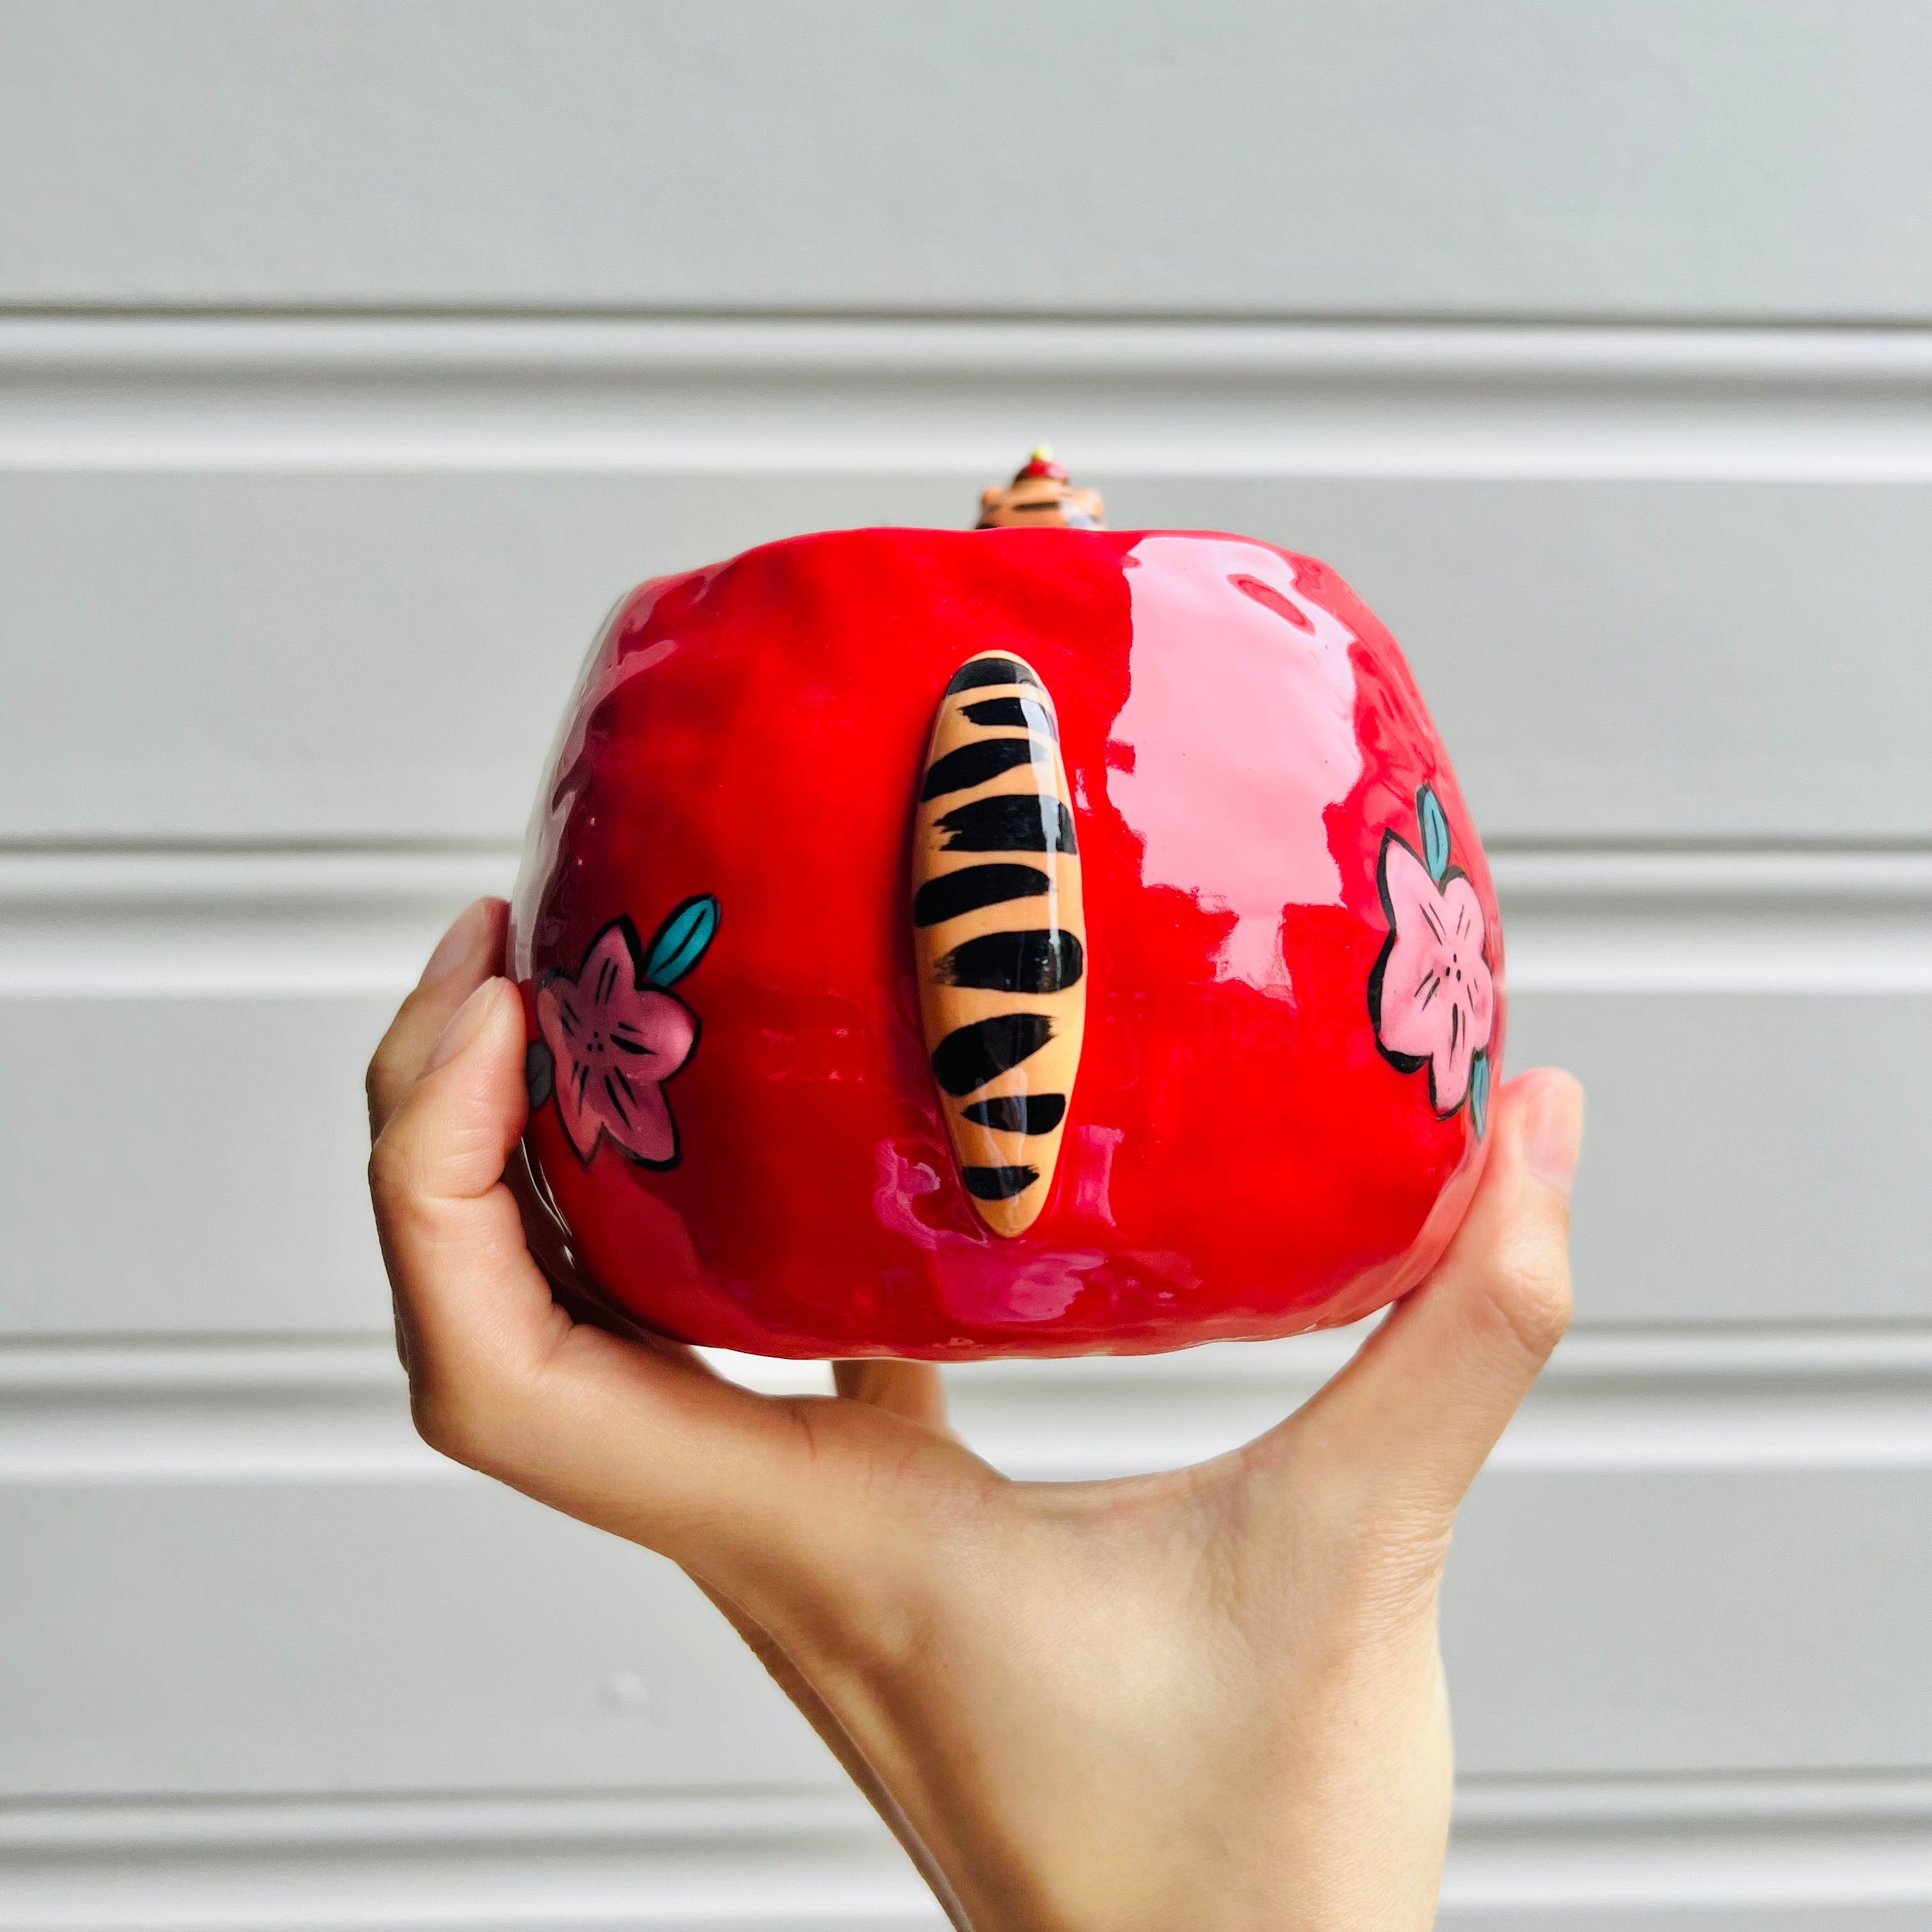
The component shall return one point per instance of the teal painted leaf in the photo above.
(681, 940)
(1435, 833)
(1479, 1094)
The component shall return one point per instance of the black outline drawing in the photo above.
(1414, 1063)
(640, 982)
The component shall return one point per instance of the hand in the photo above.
(1211, 1698)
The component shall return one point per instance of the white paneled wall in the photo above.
(354, 356)
(1659, 158)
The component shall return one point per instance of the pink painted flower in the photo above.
(1431, 996)
(614, 1039)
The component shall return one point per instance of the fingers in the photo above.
(470, 1304)
(639, 1440)
(913, 1389)
(1422, 1404)
(467, 955)
(500, 1378)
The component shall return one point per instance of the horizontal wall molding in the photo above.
(919, 398)
(1625, 1401)
(1553, 1847)
(1644, 1846)
(289, 924)
(173, 1410)
(1717, 922)
(727, 1864)
(296, 923)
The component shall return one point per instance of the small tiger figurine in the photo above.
(1040, 494)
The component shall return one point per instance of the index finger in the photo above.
(469, 952)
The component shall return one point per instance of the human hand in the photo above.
(1209, 1698)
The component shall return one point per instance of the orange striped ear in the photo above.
(999, 934)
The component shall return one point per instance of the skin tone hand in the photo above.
(1207, 1698)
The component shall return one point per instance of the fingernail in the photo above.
(1552, 1133)
(465, 1024)
(458, 943)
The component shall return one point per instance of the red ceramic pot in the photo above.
(1283, 933)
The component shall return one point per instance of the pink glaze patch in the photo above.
(616, 1040)
(1433, 997)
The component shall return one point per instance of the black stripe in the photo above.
(1009, 822)
(973, 886)
(1018, 1113)
(617, 1101)
(990, 670)
(970, 1056)
(1026, 714)
(984, 758)
(1042, 961)
(997, 1183)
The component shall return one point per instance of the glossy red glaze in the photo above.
(1242, 1158)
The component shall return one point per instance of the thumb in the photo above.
(1422, 1404)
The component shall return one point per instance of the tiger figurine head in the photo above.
(1041, 495)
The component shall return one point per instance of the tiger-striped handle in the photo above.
(999, 933)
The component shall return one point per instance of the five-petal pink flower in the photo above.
(1432, 998)
(616, 1040)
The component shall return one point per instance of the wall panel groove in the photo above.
(1839, 1851)
(134, 923)
(170, 1410)
(739, 396)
